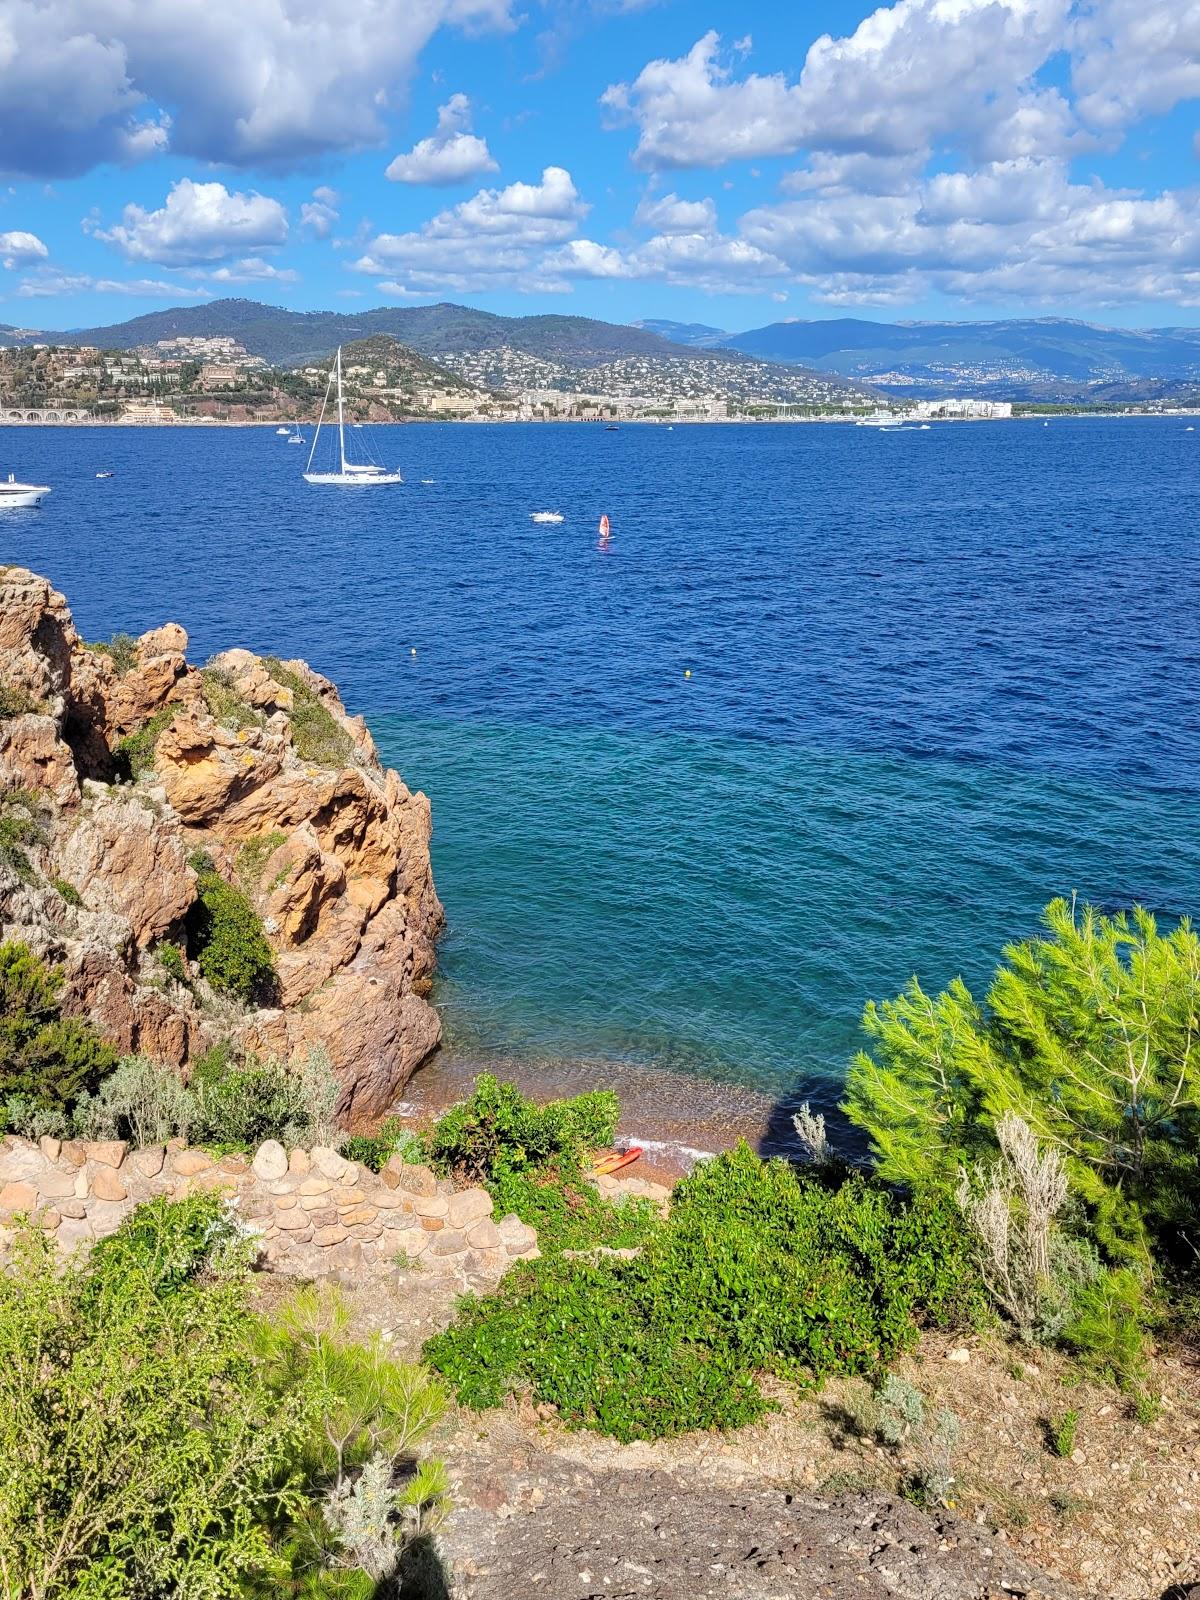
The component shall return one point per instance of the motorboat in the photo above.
(284, 431)
(545, 516)
(104, 474)
(14, 494)
(349, 474)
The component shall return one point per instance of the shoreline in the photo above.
(902, 423)
(675, 1118)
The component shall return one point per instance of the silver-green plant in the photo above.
(1011, 1205)
(140, 1100)
(902, 1421)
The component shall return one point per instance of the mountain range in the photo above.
(1048, 358)
(291, 338)
(1016, 359)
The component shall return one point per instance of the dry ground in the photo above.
(1120, 1520)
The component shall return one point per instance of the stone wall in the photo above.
(315, 1212)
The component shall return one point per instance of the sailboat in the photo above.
(353, 473)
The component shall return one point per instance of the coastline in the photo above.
(191, 423)
(675, 1118)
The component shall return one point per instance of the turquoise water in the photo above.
(936, 678)
(724, 907)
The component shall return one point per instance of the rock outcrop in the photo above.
(123, 762)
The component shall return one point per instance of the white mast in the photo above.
(341, 418)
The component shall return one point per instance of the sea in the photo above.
(831, 706)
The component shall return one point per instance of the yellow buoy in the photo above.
(687, 672)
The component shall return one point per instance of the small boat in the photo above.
(615, 1160)
(428, 480)
(612, 427)
(605, 527)
(350, 474)
(1189, 430)
(104, 474)
(545, 516)
(15, 495)
(283, 430)
(296, 438)
(924, 428)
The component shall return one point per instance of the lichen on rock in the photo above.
(255, 763)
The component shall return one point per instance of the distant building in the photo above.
(982, 410)
(452, 402)
(147, 411)
(218, 375)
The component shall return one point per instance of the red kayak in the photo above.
(618, 1159)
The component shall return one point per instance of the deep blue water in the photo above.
(937, 678)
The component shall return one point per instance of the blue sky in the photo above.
(726, 163)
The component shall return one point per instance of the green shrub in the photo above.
(134, 753)
(171, 1243)
(19, 827)
(755, 1270)
(316, 733)
(570, 1213)
(22, 1115)
(1060, 1434)
(1088, 1035)
(170, 959)
(121, 649)
(375, 1150)
(46, 1058)
(499, 1131)
(1146, 1408)
(141, 1445)
(66, 891)
(16, 701)
(157, 1438)
(239, 1103)
(224, 703)
(254, 855)
(226, 936)
(1106, 1326)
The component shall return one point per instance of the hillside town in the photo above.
(216, 379)
(207, 380)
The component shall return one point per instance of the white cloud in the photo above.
(198, 222)
(584, 258)
(703, 259)
(1019, 230)
(252, 269)
(52, 285)
(266, 82)
(18, 249)
(939, 141)
(910, 74)
(495, 237)
(320, 213)
(1131, 58)
(670, 214)
(450, 155)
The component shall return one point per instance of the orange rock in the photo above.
(107, 1186)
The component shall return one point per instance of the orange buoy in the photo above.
(605, 526)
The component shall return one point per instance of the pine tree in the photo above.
(1090, 1033)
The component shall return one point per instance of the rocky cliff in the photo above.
(120, 763)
